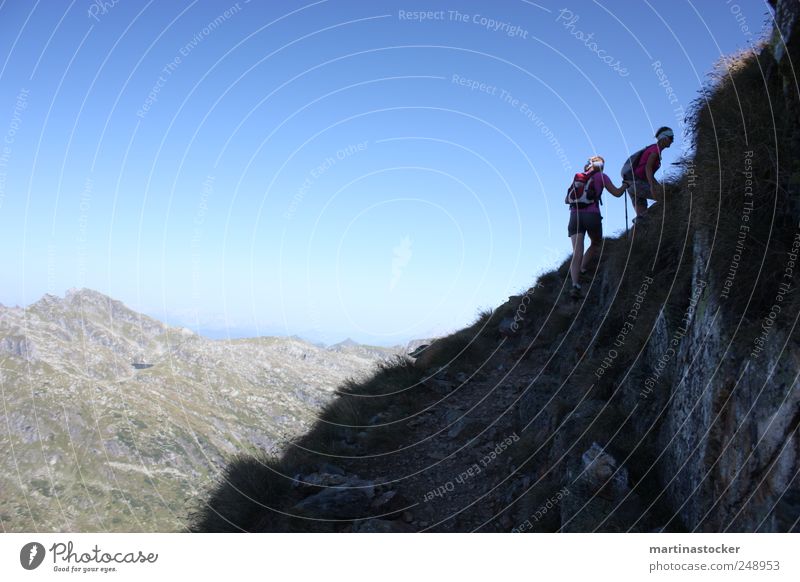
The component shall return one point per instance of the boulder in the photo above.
(351, 502)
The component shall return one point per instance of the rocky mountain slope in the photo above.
(93, 442)
(666, 399)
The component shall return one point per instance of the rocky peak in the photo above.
(347, 343)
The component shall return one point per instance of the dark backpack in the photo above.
(630, 165)
(580, 193)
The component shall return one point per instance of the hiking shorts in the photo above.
(581, 222)
(640, 192)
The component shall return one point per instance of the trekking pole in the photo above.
(626, 214)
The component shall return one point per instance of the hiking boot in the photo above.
(575, 292)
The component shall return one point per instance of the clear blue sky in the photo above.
(329, 169)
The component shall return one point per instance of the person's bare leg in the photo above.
(590, 253)
(639, 209)
(656, 194)
(577, 258)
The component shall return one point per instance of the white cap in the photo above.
(665, 133)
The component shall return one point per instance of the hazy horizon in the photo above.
(223, 331)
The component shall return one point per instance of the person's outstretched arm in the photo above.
(609, 185)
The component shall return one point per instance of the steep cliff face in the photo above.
(718, 414)
(665, 400)
(729, 434)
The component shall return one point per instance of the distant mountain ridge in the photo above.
(350, 346)
(98, 444)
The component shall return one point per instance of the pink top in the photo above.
(641, 170)
(599, 179)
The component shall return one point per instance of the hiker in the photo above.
(584, 198)
(644, 183)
